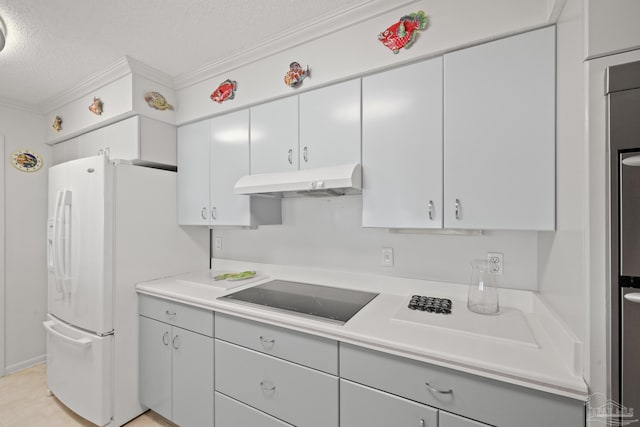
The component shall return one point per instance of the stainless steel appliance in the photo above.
(623, 91)
(336, 305)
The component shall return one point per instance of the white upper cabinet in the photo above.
(212, 156)
(330, 125)
(499, 134)
(135, 138)
(402, 147)
(229, 162)
(274, 136)
(193, 174)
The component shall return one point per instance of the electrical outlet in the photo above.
(496, 262)
(218, 243)
(387, 257)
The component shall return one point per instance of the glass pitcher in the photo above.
(483, 295)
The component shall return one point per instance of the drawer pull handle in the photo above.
(267, 387)
(267, 340)
(165, 338)
(170, 313)
(422, 424)
(435, 390)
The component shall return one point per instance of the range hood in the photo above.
(327, 181)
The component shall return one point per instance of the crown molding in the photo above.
(293, 36)
(19, 105)
(120, 68)
(144, 70)
(112, 72)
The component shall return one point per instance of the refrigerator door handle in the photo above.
(66, 220)
(633, 297)
(82, 342)
(57, 242)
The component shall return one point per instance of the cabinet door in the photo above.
(499, 134)
(193, 174)
(155, 366)
(402, 147)
(364, 406)
(274, 136)
(229, 162)
(449, 420)
(92, 142)
(192, 379)
(330, 126)
(122, 139)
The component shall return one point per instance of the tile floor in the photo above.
(24, 403)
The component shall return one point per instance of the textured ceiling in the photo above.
(54, 44)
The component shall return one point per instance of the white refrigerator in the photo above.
(111, 225)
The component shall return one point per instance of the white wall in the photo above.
(561, 255)
(327, 233)
(25, 236)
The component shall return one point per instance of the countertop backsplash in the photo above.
(327, 233)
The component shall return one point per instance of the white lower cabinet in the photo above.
(176, 372)
(490, 401)
(231, 413)
(270, 376)
(446, 419)
(364, 406)
(293, 393)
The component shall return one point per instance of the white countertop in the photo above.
(526, 344)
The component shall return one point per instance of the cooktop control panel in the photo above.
(430, 304)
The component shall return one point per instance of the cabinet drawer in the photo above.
(191, 318)
(446, 419)
(231, 413)
(298, 395)
(364, 406)
(490, 401)
(315, 352)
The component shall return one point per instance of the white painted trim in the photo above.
(26, 364)
(291, 37)
(2, 258)
(554, 8)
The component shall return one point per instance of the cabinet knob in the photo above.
(165, 338)
(430, 210)
(175, 342)
(458, 209)
(290, 156)
(107, 151)
(305, 154)
(422, 424)
(436, 390)
(214, 213)
(203, 213)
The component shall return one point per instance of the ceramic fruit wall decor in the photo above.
(404, 32)
(157, 101)
(96, 106)
(226, 90)
(295, 75)
(57, 124)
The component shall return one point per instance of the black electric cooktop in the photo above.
(336, 305)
